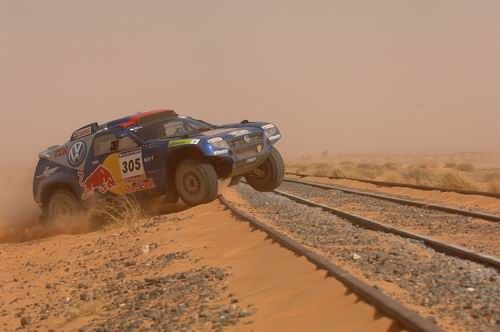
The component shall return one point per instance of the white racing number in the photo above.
(131, 164)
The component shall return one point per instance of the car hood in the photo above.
(229, 133)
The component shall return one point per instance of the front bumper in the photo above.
(246, 166)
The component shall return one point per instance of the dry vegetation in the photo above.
(454, 175)
(119, 210)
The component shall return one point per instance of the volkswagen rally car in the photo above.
(155, 153)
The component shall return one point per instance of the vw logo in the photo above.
(247, 138)
(77, 153)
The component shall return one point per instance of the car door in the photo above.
(116, 165)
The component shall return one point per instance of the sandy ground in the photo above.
(472, 202)
(47, 275)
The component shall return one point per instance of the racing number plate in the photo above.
(131, 163)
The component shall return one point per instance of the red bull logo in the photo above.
(101, 180)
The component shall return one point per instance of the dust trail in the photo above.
(19, 213)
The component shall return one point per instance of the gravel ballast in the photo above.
(475, 234)
(460, 294)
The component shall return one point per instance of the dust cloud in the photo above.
(19, 215)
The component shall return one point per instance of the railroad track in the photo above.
(438, 207)
(403, 185)
(449, 249)
(407, 318)
(439, 246)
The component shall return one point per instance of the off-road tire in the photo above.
(63, 203)
(196, 182)
(273, 170)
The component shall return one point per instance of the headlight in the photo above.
(270, 130)
(218, 143)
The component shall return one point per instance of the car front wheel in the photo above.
(269, 175)
(196, 182)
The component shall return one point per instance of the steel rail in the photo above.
(390, 307)
(448, 249)
(449, 209)
(403, 185)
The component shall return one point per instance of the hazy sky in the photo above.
(347, 76)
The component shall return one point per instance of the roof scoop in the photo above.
(84, 131)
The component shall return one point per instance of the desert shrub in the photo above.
(426, 165)
(455, 180)
(321, 169)
(494, 187)
(116, 210)
(321, 172)
(390, 166)
(337, 172)
(393, 176)
(298, 167)
(361, 170)
(320, 166)
(417, 176)
(362, 173)
(450, 165)
(347, 164)
(492, 176)
(465, 167)
(366, 166)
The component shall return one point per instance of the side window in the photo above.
(107, 144)
(174, 128)
(126, 143)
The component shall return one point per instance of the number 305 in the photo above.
(131, 165)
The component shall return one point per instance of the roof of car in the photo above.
(135, 119)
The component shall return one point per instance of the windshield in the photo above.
(171, 127)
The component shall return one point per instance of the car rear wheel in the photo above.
(63, 204)
(269, 175)
(196, 182)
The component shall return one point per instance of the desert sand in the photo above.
(46, 269)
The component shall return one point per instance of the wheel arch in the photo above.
(223, 165)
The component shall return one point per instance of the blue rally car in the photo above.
(155, 153)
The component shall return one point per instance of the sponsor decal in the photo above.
(149, 159)
(131, 163)
(219, 152)
(77, 153)
(60, 152)
(80, 133)
(101, 180)
(47, 172)
(247, 139)
(214, 140)
(140, 183)
(275, 137)
(179, 142)
(251, 160)
(267, 126)
(237, 133)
